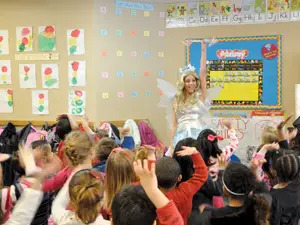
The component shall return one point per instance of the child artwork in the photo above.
(50, 76)
(273, 6)
(225, 8)
(27, 75)
(260, 6)
(75, 42)
(4, 50)
(76, 73)
(24, 39)
(6, 100)
(47, 41)
(76, 102)
(284, 5)
(5, 72)
(40, 102)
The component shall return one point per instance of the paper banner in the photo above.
(4, 48)
(77, 102)
(134, 5)
(297, 98)
(76, 42)
(6, 101)
(50, 77)
(24, 39)
(40, 103)
(5, 72)
(27, 76)
(76, 73)
(47, 41)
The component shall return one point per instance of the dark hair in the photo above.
(101, 133)
(238, 178)
(167, 171)
(104, 147)
(63, 127)
(185, 162)
(208, 148)
(43, 144)
(271, 157)
(132, 206)
(287, 168)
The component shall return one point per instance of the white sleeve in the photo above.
(60, 204)
(26, 207)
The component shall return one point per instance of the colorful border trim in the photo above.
(279, 66)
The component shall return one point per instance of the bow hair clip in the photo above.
(212, 137)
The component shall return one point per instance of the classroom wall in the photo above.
(68, 14)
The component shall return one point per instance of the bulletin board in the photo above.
(247, 68)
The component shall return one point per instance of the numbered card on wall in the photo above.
(76, 73)
(27, 75)
(40, 103)
(50, 77)
(76, 42)
(47, 41)
(5, 72)
(4, 49)
(77, 102)
(24, 39)
(6, 101)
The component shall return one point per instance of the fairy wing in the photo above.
(214, 92)
(169, 91)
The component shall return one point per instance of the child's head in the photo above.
(78, 147)
(119, 172)
(86, 192)
(104, 147)
(168, 172)
(132, 206)
(63, 127)
(185, 162)
(287, 168)
(269, 135)
(42, 151)
(101, 133)
(208, 148)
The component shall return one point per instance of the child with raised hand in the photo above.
(135, 205)
(168, 174)
(249, 201)
(84, 191)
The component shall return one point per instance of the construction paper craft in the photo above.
(147, 54)
(119, 53)
(105, 75)
(133, 33)
(4, 49)
(120, 74)
(118, 32)
(148, 93)
(5, 72)
(105, 95)
(146, 13)
(50, 77)
(133, 53)
(76, 73)
(103, 32)
(24, 39)
(121, 94)
(6, 101)
(133, 74)
(161, 73)
(161, 33)
(161, 54)
(118, 11)
(103, 10)
(77, 102)
(40, 103)
(76, 42)
(47, 42)
(134, 94)
(146, 33)
(133, 12)
(27, 75)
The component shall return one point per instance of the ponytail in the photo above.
(261, 209)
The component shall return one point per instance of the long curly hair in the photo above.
(180, 101)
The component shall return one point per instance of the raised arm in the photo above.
(203, 70)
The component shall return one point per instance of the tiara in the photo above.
(188, 68)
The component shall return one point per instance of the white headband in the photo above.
(231, 192)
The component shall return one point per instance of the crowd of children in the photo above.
(102, 176)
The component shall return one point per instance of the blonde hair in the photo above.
(180, 101)
(86, 193)
(119, 172)
(269, 135)
(77, 147)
